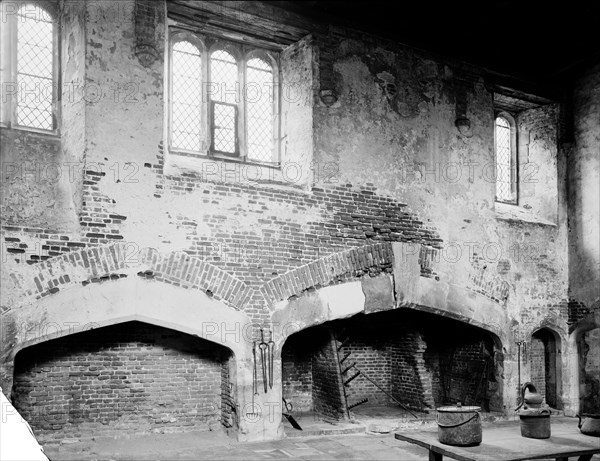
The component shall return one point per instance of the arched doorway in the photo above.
(131, 377)
(545, 365)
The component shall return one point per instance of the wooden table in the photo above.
(503, 442)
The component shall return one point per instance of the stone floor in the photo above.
(203, 445)
(216, 445)
(381, 419)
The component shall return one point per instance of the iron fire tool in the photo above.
(263, 346)
(271, 344)
(253, 414)
(520, 344)
(254, 378)
(290, 418)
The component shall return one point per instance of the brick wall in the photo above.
(343, 217)
(461, 368)
(577, 311)
(296, 359)
(543, 366)
(339, 217)
(229, 407)
(372, 356)
(422, 361)
(131, 376)
(328, 393)
(411, 380)
(537, 355)
(352, 216)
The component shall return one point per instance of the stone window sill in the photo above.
(236, 171)
(31, 131)
(222, 158)
(515, 213)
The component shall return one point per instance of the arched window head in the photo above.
(30, 62)
(223, 77)
(505, 151)
(186, 96)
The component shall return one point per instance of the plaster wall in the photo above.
(391, 198)
(584, 169)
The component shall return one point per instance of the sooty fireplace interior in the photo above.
(407, 360)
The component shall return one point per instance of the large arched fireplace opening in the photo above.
(396, 364)
(131, 377)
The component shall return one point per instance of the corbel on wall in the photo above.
(462, 122)
(146, 26)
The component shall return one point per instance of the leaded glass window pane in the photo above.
(259, 106)
(224, 123)
(223, 92)
(504, 160)
(223, 77)
(35, 68)
(186, 97)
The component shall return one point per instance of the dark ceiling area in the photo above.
(539, 42)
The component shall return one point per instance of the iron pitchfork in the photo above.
(263, 346)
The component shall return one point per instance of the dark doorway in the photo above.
(545, 366)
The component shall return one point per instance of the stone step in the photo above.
(290, 432)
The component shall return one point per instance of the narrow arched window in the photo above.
(505, 152)
(30, 68)
(186, 97)
(259, 109)
(224, 87)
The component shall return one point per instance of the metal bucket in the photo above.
(459, 426)
(535, 423)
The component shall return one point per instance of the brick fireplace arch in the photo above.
(108, 285)
(374, 295)
(299, 303)
(111, 262)
(78, 308)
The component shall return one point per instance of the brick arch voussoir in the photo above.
(110, 262)
(326, 270)
(181, 269)
(78, 267)
(130, 299)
